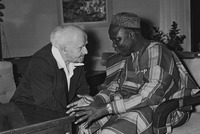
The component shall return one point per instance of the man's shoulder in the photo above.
(157, 48)
(157, 45)
(44, 55)
(44, 49)
(44, 52)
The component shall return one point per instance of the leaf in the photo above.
(173, 40)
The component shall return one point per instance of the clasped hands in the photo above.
(87, 110)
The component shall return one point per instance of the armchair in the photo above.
(7, 84)
(192, 63)
(165, 108)
(11, 72)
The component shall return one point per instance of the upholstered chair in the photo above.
(7, 83)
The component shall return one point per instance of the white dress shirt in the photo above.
(69, 70)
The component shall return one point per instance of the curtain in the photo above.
(178, 11)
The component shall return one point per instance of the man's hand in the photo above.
(84, 101)
(90, 113)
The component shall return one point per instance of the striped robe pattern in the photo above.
(136, 85)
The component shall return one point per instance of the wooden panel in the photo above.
(57, 126)
(14, 121)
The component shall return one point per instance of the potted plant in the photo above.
(173, 40)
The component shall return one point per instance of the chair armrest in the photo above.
(161, 114)
(20, 65)
(165, 108)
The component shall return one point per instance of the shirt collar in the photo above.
(58, 57)
(60, 61)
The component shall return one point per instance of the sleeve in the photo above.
(110, 85)
(150, 93)
(83, 87)
(105, 96)
(157, 81)
(41, 73)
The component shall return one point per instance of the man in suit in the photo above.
(56, 75)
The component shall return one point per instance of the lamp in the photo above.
(1, 21)
(2, 6)
(1, 14)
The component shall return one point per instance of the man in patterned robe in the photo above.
(140, 76)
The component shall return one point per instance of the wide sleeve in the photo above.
(151, 93)
(157, 80)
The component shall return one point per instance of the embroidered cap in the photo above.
(125, 19)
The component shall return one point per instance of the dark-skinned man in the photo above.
(140, 76)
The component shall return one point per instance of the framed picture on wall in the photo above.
(87, 13)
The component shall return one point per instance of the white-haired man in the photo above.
(56, 75)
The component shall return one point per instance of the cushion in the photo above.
(191, 127)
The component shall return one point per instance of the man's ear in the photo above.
(132, 35)
(64, 50)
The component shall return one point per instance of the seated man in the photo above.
(140, 76)
(56, 74)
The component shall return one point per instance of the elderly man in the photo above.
(140, 76)
(56, 75)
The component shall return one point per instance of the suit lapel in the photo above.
(73, 84)
(63, 94)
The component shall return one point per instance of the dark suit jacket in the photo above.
(45, 85)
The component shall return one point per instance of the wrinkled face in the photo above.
(122, 42)
(76, 51)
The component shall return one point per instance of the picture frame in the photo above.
(85, 13)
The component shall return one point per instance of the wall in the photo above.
(28, 24)
(178, 11)
(148, 10)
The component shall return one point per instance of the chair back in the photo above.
(193, 66)
(7, 83)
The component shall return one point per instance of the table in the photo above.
(19, 119)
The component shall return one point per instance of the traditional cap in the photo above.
(126, 19)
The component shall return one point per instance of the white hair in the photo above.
(61, 35)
